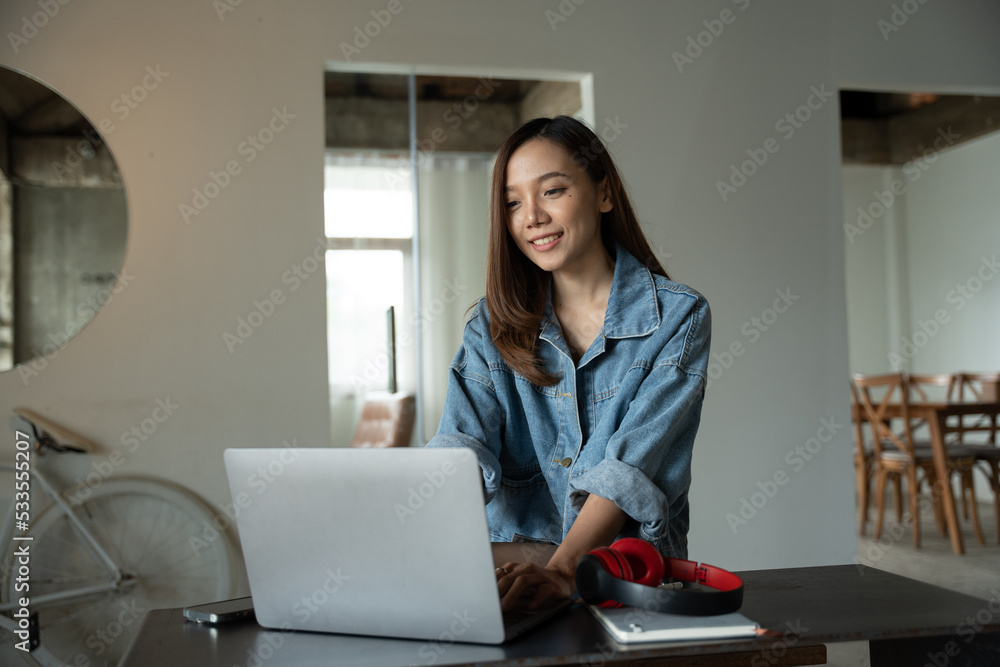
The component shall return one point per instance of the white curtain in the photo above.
(453, 196)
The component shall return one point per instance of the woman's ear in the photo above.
(604, 196)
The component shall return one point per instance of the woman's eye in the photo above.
(511, 204)
(553, 191)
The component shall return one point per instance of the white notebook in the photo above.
(630, 625)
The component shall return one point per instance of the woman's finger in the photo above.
(507, 574)
(522, 582)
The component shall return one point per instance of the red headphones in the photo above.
(630, 571)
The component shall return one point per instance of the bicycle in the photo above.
(78, 574)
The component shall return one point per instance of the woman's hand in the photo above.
(516, 580)
(597, 524)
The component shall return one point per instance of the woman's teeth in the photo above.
(547, 239)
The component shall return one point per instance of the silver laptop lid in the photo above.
(386, 542)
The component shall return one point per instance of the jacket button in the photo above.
(565, 463)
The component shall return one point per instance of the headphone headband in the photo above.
(596, 585)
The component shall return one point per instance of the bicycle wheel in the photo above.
(156, 532)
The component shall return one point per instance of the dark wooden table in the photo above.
(906, 622)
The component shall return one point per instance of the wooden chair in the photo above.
(983, 387)
(933, 387)
(895, 454)
(863, 462)
(386, 421)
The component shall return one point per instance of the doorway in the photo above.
(407, 168)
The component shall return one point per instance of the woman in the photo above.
(581, 375)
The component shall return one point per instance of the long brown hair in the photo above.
(515, 286)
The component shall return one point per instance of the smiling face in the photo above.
(553, 208)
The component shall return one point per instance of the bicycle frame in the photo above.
(95, 549)
(112, 551)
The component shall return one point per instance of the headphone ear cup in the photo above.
(614, 565)
(644, 561)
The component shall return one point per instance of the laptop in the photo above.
(384, 542)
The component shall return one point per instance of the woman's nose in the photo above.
(536, 214)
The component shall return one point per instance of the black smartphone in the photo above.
(226, 611)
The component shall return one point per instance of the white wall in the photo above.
(680, 132)
(920, 290)
(953, 247)
(874, 251)
(161, 338)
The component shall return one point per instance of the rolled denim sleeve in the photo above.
(646, 469)
(472, 414)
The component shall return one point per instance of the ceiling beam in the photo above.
(897, 139)
(551, 98)
(472, 124)
(61, 162)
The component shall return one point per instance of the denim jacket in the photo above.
(620, 423)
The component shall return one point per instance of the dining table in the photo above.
(936, 414)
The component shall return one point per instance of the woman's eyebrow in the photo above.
(544, 177)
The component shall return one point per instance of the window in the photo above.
(369, 229)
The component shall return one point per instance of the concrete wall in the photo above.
(71, 244)
(677, 127)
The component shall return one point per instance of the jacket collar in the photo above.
(632, 306)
